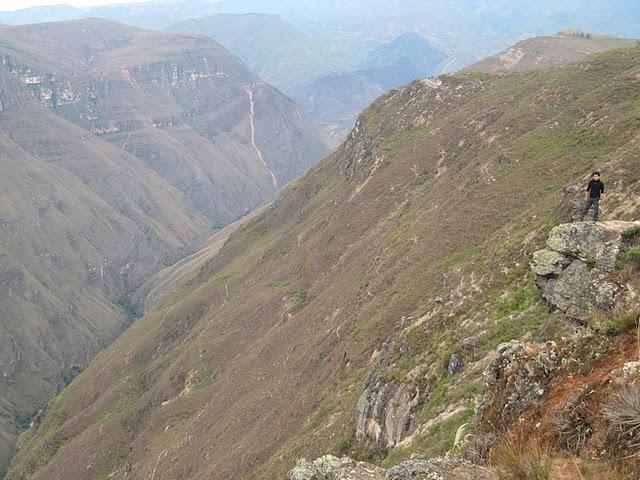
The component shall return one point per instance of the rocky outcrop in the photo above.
(384, 413)
(575, 270)
(333, 468)
(514, 380)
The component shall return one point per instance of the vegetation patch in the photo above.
(300, 300)
(397, 142)
(224, 278)
(521, 460)
(320, 416)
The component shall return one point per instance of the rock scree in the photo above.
(329, 467)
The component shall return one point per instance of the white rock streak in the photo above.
(252, 119)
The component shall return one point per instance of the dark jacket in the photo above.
(595, 188)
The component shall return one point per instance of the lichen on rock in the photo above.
(441, 468)
(575, 271)
(515, 379)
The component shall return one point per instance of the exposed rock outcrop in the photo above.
(384, 413)
(575, 271)
(333, 468)
(515, 379)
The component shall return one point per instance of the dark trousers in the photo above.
(592, 202)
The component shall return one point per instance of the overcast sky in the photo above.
(17, 4)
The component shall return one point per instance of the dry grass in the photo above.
(517, 459)
(622, 416)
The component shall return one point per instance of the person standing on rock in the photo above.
(594, 193)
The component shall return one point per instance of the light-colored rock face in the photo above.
(590, 242)
(384, 413)
(631, 371)
(574, 271)
(548, 262)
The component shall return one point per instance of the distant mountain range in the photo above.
(335, 57)
(330, 90)
(121, 150)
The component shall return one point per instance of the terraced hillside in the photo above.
(121, 150)
(389, 272)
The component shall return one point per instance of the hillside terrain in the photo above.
(327, 55)
(121, 150)
(357, 314)
(272, 48)
(181, 103)
(331, 91)
(544, 52)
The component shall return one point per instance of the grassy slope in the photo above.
(541, 52)
(259, 359)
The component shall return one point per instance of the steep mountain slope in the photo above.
(273, 49)
(120, 151)
(330, 91)
(543, 52)
(403, 255)
(406, 58)
(83, 222)
(156, 288)
(181, 103)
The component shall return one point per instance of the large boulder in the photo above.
(575, 271)
(440, 468)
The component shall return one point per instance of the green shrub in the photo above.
(602, 323)
(633, 256)
(631, 236)
(300, 300)
(628, 320)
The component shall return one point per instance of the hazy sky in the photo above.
(17, 4)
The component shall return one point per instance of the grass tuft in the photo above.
(520, 460)
(622, 415)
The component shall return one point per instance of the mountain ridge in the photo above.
(550, 51)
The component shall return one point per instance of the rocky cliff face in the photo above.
(333, 468)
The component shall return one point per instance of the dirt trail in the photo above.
(252, 117)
